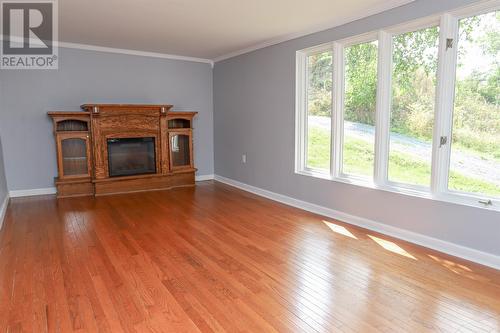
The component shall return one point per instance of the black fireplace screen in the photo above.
(131, 156)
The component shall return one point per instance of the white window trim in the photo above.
(445, 90)
(300, 122)
(338, 110)
(301, 117)
(384, 97)
(445, 93)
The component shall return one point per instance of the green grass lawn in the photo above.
(404, 168)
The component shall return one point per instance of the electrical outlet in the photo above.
(243, 158)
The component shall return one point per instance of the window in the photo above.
(475, 148)
(360, 61)
(414, 67)
(319, 110)
(412, 109)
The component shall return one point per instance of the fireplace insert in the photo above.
(131, 156)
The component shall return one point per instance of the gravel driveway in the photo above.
(467, 164)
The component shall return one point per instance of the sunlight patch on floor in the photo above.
(450, 264)
(459, 269)
(339, 229)
(391, 246)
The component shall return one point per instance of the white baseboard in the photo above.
(204, 177)
(460, 251)
(52, 190)
(3, 210)
(32, 192)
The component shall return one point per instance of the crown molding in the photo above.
(386, 5)
(88, 47)
(96, 48)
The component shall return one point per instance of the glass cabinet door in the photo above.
(180, 150)
(74, 159)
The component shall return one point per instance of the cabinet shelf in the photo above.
(75, 158)
(179, 123)
(72, 125)
(72, 132)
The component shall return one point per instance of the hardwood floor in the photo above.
(215, 259)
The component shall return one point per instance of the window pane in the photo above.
(319, 110)
(359, 109)
(415, 57)
(475, 149)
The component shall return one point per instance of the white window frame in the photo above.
(449, 23)
(425, 23)
(301, 117)
(339, 104)
(445, 91)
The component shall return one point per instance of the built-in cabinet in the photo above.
(73, 147)
(180, 142)
(73, 151)
(114, 148)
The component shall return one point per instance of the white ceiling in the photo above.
(203, 28)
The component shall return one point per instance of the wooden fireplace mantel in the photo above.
(82, 140)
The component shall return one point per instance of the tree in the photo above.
(361, 83)
(414, 81)
(320, 84)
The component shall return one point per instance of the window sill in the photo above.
(448, 197)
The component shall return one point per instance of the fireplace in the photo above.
(123, 148)
(131, 156)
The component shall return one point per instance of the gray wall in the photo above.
(94, 77)
(254, 106)
(3, 182)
